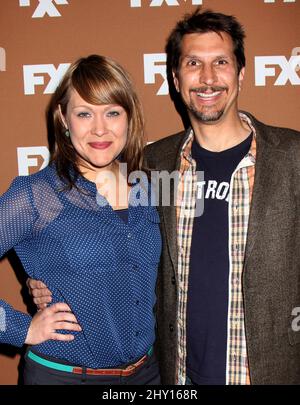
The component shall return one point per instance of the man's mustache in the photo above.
(204, 89)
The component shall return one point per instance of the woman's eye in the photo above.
(83, 114)
(113, 113)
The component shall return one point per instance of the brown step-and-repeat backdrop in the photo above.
(39, 38)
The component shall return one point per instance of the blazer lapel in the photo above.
(170, 163)
(170, 230)
(267, 175)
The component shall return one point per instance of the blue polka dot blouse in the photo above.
(103, 267)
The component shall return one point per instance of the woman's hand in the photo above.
(41, 295)
(45, 323)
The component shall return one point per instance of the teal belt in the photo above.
(99, 371)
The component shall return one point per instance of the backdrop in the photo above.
(39, 38)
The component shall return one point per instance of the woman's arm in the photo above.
(18, 216)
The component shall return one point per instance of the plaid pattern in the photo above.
(237, 370)
(186, 203)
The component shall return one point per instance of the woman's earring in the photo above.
(67, 133)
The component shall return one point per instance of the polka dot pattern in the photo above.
(103, 268)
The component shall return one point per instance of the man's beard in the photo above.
(205, 116)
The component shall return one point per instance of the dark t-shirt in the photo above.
(123, 214)
(207, 307)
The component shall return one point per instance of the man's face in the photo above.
(207, 77)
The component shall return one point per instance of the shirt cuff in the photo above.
(14, 325)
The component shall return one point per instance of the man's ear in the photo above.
(241, 77)
(175, 81)
(62, 118)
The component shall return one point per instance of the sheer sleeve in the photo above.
(17, 218)
(17, 214)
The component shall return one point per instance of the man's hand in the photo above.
(44, 324)
(40, 293)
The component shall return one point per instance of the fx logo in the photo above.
(158, 3)
(44, 7)
(288, 70)
(2, 60)
(155, 64)
(26, 159)
(33, 76)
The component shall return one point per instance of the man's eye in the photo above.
(222, 62)
(193, 63)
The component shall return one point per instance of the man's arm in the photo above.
(40, 293)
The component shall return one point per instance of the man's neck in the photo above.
(222, 135)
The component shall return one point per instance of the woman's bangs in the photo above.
(99, 91)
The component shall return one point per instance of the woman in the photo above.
(86, 230)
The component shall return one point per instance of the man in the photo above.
(229, 278)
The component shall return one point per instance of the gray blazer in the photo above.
(271, 277)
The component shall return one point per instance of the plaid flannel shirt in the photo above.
(241, 187)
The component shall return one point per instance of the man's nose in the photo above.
(208, 75)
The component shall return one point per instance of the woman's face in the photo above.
(97, 132)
